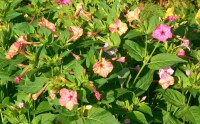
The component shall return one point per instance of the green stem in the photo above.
(145, 62)
(2, 119)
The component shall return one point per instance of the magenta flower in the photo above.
(162, 33)
(171, 18)
(64, 2)
(68, 98)
(96, 93)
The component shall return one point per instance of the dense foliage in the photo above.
(99, 61)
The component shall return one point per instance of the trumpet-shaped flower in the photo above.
(68, 98)
(75, 33)
(44, 22)
(133, 15)
(118, 27)
(180, 53)
(103, 67)
(162, 33)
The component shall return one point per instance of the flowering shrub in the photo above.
(99, 61)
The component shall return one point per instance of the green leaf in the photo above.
(114, 40)
(44, 106)
(191, 114)
(137, 117)
(78, 71)
(12, 14)
(143, 84)
(99, 116)
(168, 119)
(134, 33)
(134, 49)
(46, 118)
(14, 3)
(123, 75)
(145, 109)
(183, 78)
(163, 60)
(33, 87)
(153, 22)
(23, 28)
(174, 97)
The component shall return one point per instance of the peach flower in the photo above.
(103, 67)
(75, 33)
(118, 27)
(44, 22)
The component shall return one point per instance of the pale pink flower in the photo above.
(187, 72)
(127, 121)
(21, 105)
(68, 98)
(133, 15)
(118, 27)
(171, 18)
(165, 77)
(64, 2)
(111, 52)
(103, 67)
(77, 57)
(49, 25)
(180, 53)
(162, 33)
(186, 43)
(121, 59)
(17, 79)
(75, 33)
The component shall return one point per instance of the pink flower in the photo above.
(111, 52)
(162, 33)
(21, 105)
(96, 93)
(17, 79)
(121, 59)
(187, 72)
(103, 67)
(68, 98)
(15, 47)
(82, 12)
(171, 18)
(186, 42)
(165, 77)
(180, 53)
(75, 33)
(77, 57)
(118, 27)
(64, 2)
(44, 22)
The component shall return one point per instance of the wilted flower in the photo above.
(103, 67)
(127, 121)
(15, 47)
(81, 11)
(75, 33)
(187, 72)
(21, 105)
(121, 59)
(118, 27)
(17, 79)
(165, 77)
(186, 43)
(180, 53)
(64, 2)
(111, 52)
(68, 98)
(44, 22)
(96, 93)
(133, 15)
(77, 57)
(162, 32)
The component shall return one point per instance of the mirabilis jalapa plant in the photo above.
(71, 61)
